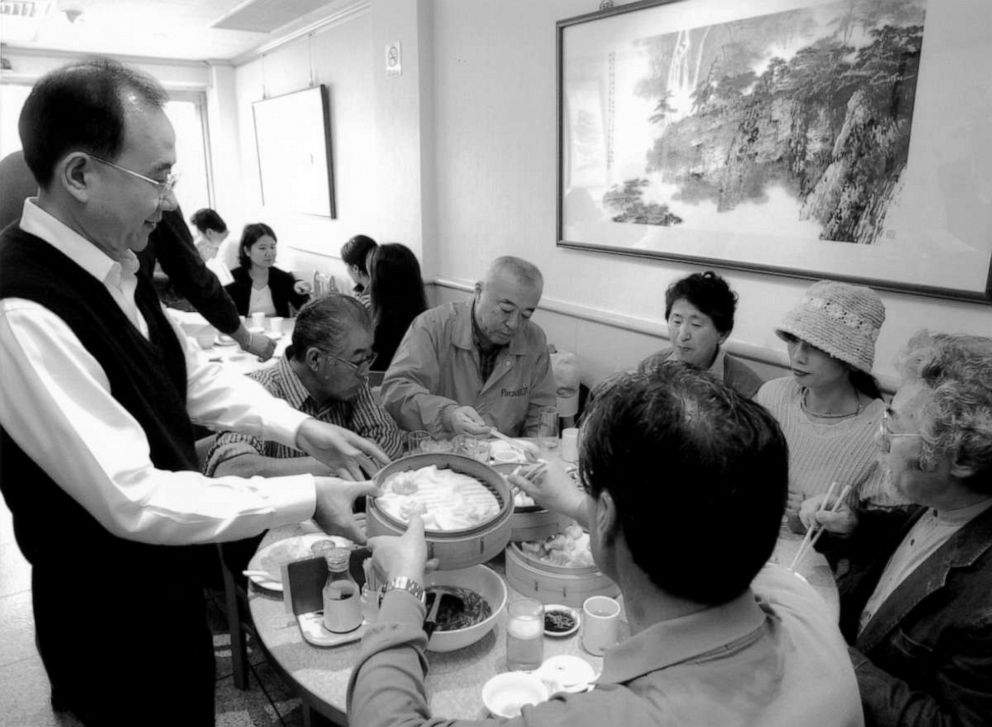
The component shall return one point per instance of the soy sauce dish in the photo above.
(560, 620)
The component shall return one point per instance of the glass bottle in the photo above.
(342, 605)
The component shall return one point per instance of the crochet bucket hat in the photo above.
(841, 319)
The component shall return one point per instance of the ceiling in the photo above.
(196, 30)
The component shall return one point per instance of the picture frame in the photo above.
(842, 139)
(295, 164)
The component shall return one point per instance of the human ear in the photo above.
(607, 520)
(312, 358)
(71, 174)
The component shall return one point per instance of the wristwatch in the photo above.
(405, 584)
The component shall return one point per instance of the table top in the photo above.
(454, 681)
(225, 350)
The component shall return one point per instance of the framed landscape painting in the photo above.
(847, 139)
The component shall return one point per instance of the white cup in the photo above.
(275, 324)
(258, 320)
(600, 624)
(570, 445)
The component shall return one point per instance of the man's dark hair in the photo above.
(324, 322)
(79, 108)
(708, 292)
(699, 475)
(356, 252)
(208, 219)
(252, 233)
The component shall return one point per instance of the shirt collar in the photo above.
(680, 639)
(962, 515)
(38, 222)
(294, 391)
(463, 330)
(716, 368)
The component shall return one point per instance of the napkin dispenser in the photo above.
(303, 581)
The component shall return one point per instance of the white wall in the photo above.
(495, 155)
(463, 149)
(340, 57)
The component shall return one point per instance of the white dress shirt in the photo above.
(55, 403)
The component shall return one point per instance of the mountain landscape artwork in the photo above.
(795, 123)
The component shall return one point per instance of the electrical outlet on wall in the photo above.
(394, 59)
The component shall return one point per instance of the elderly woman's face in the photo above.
(695, 339)
(901, 451)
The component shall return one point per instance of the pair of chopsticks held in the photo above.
(815, 528)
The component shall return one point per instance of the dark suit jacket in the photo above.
(172, 245)
(280, 283)
(925, 658)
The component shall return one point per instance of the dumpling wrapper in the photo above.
(447, 500)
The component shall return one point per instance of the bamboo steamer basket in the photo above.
(453, 548)
(555, 584)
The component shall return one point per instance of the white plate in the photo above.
(225, 340)
(565, 609)
(273, 556)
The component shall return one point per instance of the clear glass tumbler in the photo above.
(547, 433)
(418, 441)
(524, 635)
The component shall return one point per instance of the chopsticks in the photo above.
(815, 529)
(527, 453)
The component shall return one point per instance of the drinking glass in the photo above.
(547, 433)
(525, 635)
(418, 441)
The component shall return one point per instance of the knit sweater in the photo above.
(843, 451)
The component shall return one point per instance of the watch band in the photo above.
(405, 584)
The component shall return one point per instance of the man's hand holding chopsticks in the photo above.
(551, 488)
(839, 522)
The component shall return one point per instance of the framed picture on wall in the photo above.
(844, 139)
(292, 136)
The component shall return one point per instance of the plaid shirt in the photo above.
(363, 415)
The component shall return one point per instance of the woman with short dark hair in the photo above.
(700, 311)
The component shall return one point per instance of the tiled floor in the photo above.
(24, 689)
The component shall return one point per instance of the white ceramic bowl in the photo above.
(506, 693)
(484, 581)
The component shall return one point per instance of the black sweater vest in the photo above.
(147, 377)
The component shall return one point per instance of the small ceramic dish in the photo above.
(506, 694)
(560, 620)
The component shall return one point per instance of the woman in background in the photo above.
(699, 310)
(259, 286)
(355, 254)
(397, 292)
(830, 407)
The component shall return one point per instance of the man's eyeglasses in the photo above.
(359, 367)
(885, 432)
(164, 187)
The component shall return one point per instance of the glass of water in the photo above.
(525, 635)
(547, 433)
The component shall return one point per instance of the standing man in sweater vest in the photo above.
(97, 400)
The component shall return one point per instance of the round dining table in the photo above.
(319, 675)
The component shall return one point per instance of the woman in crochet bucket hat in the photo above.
(830, 406)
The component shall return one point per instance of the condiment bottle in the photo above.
(342, 605)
